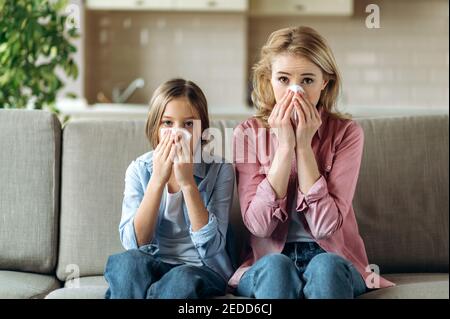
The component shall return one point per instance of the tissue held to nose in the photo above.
(186, 135)
(173, 130)
(295, 88)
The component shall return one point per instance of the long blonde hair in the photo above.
(302, 41)
(166, 92)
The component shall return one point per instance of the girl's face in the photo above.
(289, 69)
(179, 114)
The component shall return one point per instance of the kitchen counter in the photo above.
(79, 109)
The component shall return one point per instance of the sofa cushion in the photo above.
(413, 286)
(409, 286)
(401, 199)
(30, 142)
(92, 287)
(96, 154)
(23, 285)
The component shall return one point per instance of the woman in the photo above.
(296, 178)
(175, 212)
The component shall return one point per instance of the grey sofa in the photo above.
(61, 194)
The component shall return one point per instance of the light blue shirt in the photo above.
(215, 182)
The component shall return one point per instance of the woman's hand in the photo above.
(183, 164)
(163, 159)
(280, 121)
(309, 121)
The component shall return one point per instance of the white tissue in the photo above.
(185, 133)
(296, 88)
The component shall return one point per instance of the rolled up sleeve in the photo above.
(211, 238)
(261, 210)
(132, 197)
(206, 233)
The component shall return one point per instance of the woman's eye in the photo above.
(308, 81)
(189, 124)
(167, 123)
(283, 79)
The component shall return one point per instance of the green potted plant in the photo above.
(35, 41)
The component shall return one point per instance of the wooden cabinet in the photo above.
(301, 7)
(211, 5)
(172, 5)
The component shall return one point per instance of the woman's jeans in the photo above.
(302, 270)
(136, 274)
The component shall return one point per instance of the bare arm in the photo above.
(198, 215)
(308, 172)
(280, 120)
(183, 169)
(280, 169)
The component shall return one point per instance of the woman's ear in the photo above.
(324, 84)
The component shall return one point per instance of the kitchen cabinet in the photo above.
(172, 5)
(301, 7)
(211, 5)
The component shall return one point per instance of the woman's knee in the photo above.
(327, 265)
(277, 264)
(328, 276)
(272, 277)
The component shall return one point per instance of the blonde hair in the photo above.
(302, 41)
(166, 92)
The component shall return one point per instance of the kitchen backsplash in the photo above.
(206, 48)
(404, 63)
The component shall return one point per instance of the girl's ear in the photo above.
(324, 85)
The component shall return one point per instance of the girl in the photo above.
(304, 236)
(175, 212)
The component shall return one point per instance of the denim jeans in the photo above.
(137, 274)
(302, 270)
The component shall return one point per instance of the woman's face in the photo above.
(179, 114)
(289, 69)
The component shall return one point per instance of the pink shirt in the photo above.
(326, 210)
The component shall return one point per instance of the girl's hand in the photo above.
(163, 159)
(280, 121)
(309, 121)
(183, 164)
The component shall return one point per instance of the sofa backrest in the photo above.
(401, 201)
(30, 145)
(96, 154)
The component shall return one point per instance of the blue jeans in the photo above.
(302, 270)
(136, 274)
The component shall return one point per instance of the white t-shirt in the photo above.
(175, 243)
(297, 231)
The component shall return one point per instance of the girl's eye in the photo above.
(283, 79)
(308, 81)
(189, 124)
(167, 123)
